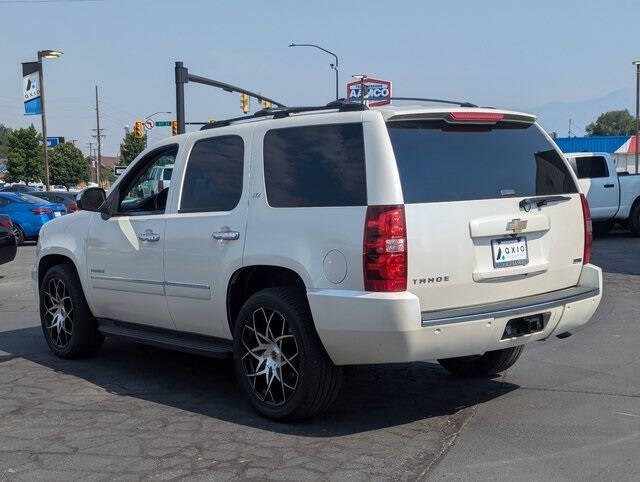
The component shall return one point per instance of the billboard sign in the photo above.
(31, 88)
(376, 92)
(118, 170)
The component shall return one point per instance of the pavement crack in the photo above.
(583, 392)
(447, 444)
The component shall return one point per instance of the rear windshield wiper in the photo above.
(541, 201)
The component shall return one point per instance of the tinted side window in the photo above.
(315, 166)
(443, 163)
(591, 167)
(213, 179)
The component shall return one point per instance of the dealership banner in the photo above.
(31, 88)
(376, 92)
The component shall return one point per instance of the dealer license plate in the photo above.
(509, 252)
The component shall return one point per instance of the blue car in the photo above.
(28, 213)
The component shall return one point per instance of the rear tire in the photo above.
(602, 228)
(489, 364)
(18, 233)
(634, 220)
(280, 362)
(69, 327)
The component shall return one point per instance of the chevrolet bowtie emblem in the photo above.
(517, 225)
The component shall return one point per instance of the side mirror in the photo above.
(91, 198)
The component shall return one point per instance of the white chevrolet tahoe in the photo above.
(299, 241)
(612, 196)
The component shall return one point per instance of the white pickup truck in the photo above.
(612, 196)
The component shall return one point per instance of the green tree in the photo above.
(613, 123)
(4, 141)
(67, 166)
(106, 174)
(131, 147)
(24, 156)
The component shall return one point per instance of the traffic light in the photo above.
(138, 130)
(174, 127)
(266, 104)
(244, 99)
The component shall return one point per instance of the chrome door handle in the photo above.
(226, 235)
(149, 235)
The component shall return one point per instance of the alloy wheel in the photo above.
(270, 356)
(58, 314)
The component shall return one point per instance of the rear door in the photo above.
(205, 238)
(472, 237)
(599, 185)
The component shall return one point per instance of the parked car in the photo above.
(28, 213)
(157, 179)
(316, 238)
(613, 196)
(8, 246)
(66, 198)
(17, 188)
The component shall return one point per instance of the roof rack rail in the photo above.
(439, 101)
(282, 112)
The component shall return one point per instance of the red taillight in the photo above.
(160, 185)
(41, 211)
(6, 223)
(72, 208)
(385, 249)
(475, 116)
(588, 230)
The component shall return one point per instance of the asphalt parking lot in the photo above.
(568, 410)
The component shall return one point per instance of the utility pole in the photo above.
(99, 139)
(90, 144)
(637, 64)
(569, 127)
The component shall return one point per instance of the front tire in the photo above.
(489, 364)
(18, 234)
(280, 362)
(634, 220)
(69, 327)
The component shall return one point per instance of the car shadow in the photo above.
(617, 251)
(372, 397)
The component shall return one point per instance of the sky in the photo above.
(501, 53)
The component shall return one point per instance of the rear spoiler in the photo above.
(466, 117)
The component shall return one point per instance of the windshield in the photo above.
(439, 162)
(28, 198)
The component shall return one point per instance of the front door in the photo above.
(205, 238)
(599, 185)
(125, 253)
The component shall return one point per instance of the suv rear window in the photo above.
(311, 166)
(589, 167)
(438, 162)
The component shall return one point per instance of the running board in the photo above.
(174, 340)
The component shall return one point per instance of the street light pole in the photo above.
(44, 123)
(333, 66)
(637, 64)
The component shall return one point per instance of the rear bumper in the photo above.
(361, 327)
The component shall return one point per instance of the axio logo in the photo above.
(376, 92)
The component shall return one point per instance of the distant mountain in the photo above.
(555, 116)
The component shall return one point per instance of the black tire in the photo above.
(315, 379)
(489, 364)
(70, 329)
(602, 228)
(634, 219)
(18, 233)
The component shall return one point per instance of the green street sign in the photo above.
(163, 123)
